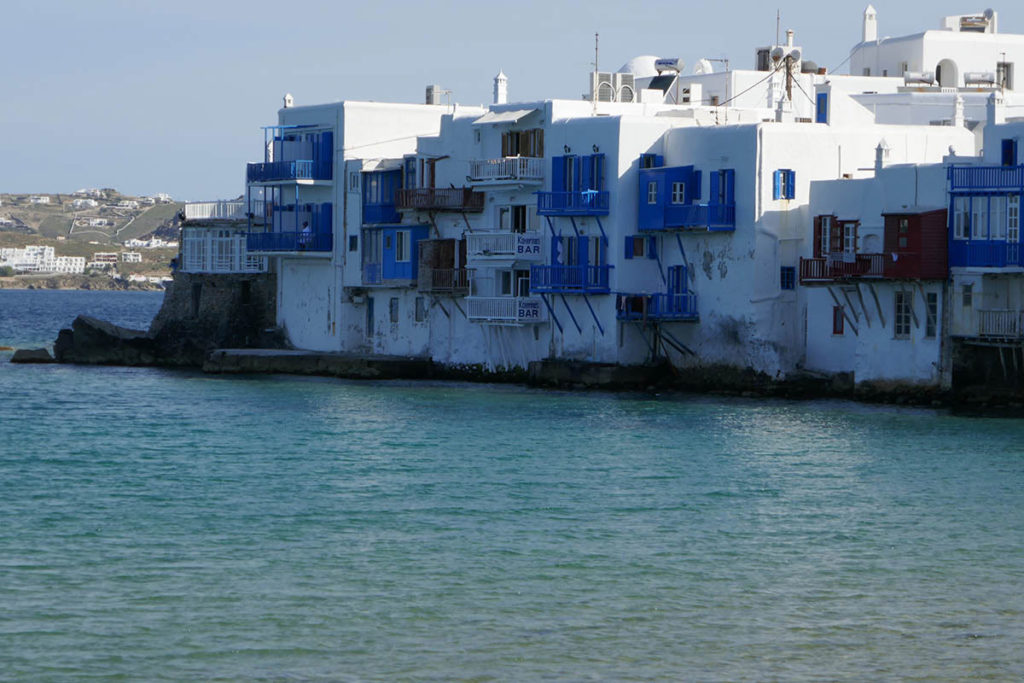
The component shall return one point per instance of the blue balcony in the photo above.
(968, 178)
(283, 171)
(373, 274)
(985, 254)
(580, 203)
(569, 279)
(714, 217)
(289, 241)
(657, 307)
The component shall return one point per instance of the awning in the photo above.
(369, 165)
(509, 116)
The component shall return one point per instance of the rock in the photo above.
(97, 342)
(32, 356)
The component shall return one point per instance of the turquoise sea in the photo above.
(159, 525)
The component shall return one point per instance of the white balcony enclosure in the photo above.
(506, 310)
(214, 250)
(519, 246)
(507, 169)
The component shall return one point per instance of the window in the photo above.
(638, 246)
(931, 309)
(421, 309)
(787, 277)
(904, 68)
(525, 143)
(522, 282)
(784, 186)
(903, 232)
(826, 235)
(652, 192)
(867, 71)
(961, 217)
(901, 316)
(650, 160)
(997, 226)
(519, 218)
(505, 283)
(402, 245)
(353, 242)
(1013, 218)
(678, 193)
(838, 320)
(1009, 152)
(393, 309)
(979, 218)
(967, 295)
(353, 181)
(850, 238)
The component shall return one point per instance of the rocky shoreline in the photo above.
(225, 325)
(72, 282)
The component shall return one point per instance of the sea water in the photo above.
(159, 525)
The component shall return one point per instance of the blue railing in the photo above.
(661, 306)
(289, 241)
(372, 274)
(986, 177)
(582, 203)
(288, 170)
(569, 279)
(701, 216)
(381, 213)
(985, 253)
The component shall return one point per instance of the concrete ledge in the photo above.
(274, 361)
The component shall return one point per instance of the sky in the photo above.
(170, 96)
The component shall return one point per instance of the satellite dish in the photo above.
(703, 66)
(777, 53)
(989, 13)
(795, 54)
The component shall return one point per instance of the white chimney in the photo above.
(995, 113)
(958, 111)
(289, 101)
(789, 37)
(501, 88)
(870, 32)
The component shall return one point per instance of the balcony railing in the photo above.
(1005, 324)
(837, 268)
(445, 281)
(569, 279)
(582, 203)
(986, 177)
(985, 253)
(289, 241)
(508, 310)
(304, 169)
(373, 274)
(509, 168)
(701, 216)
(503, 245)
(660, 306)
(204, 250)
(219, 210)
(441, 199)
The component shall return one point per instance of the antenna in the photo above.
(778, 19)
(593, 95)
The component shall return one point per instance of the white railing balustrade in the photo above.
(508, 168)
(211, 250)
(222, 210)
(505, 309)
(1001, 323)
(518, 245)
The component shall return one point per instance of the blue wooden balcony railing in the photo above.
(700, 216)
(581, 203)
(569, 279)
(288, 170)
(373, 274)
(660, 306)
(985, 254)
(289, 241)
(986, 177)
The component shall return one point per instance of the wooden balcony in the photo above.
(828, 269)
(441, 199)
(505, 310)
(1001, 324)
(454, 281)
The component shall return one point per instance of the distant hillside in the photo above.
(104, 216)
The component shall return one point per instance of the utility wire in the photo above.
(744, 92)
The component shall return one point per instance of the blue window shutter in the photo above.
(582, 253)
(558, 174)
(730, 186)
(557, 253)
(713, 198)
(659, 160)
(652, 247)
(693, 187)
(629, 247)
(777, 185)
(821, 115)
(325, 218)
(791, 186)
(586, 171)
(1009, 152)
(597, 183)
(578, 163)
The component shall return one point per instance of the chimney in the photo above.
(789, 37)
(881, 155)
(289, 101)
(995, 113)
(501, 88)
(870, 32)
(958, 111)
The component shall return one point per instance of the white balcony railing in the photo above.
(208, 250)
(508, 168)
(517, 245)
(217, 210)
(1004, 324)
(507, 310)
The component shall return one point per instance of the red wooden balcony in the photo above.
(827, 269)
(441, 199)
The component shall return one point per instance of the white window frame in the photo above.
(849, 238)
(961, 217)
(826, 235)
(997, 217)
(402, 251)
(1013, 218)
(931, 314)
(901, 313)
(678, 193)
(652, 192)
(979, 218)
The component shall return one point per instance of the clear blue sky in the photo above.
(169, 96)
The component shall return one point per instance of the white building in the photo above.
(84, 203)
(754, 219)
(39, 199)
(131, 257)
(40, 259)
